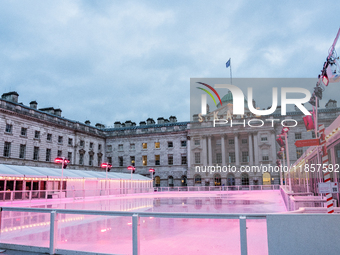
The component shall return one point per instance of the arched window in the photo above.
(230, 180)
(184, 180)
(266, 179)
(171, 181)
(244, 179)
(157, 181)
(197, 179)
(217, 180)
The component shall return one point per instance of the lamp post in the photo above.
(107, 167)
(132, 169)
(152, 171)
(64, 161)
(285, 131)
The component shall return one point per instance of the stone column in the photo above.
(223, 150)
(273, 146)
(250, 142)
(256, 149)
(204, 151)
(209, 150)
(237, 151)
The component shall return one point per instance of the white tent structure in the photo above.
(43, 182)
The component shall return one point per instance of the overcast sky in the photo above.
(130, 60)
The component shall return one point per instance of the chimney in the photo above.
(142, 123)
(150, 121)
(57, 112)
(128, 123)
(117, 124)
(87, 122)
(173, 119)
(34, 104)
(160, 120)
(10, 96)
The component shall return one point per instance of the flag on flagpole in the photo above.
(228, 63)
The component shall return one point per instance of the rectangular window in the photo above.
(299, 153)
(231, 141)
(265, 158)
(36, 153)
(23, 131)
(298, 136)
(109, 160)
(81, 159)
(184, 159)
(244, 141)
(99, 159)
(132, 146)
(132, 160)
(183, 143)
(157, 145)
(8, 128)
(265, 155)
(197, 141)
(91, 145)
(313, 134)
(245, 156)
(120, 147)
(99, 146)
(144, 146)
(7, 149)
(157, 160)
(48, 155)
(70, 141)
(264, 138)
(232, 158)
(36, 134)
(197, 157)
(170, 159)
(81, 143)
(49, 137)
(22, 152)
(121, 161)
(91, 160)
(69, 156)
(60, 139)
(60, 153)
(170, 145)
(145, 160)
(109, 148)
(218, 158)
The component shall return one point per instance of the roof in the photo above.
(45, 172)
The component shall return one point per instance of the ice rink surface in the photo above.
(113, 235)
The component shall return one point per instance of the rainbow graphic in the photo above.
(209, 93)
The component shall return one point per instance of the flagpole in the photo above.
(231, 77)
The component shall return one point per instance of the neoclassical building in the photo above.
(34, 136)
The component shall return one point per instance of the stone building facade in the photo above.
(35, 137)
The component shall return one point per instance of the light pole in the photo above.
(132, 169)
(107, 167)
(64, 162)
(285, 131)
(152, 171)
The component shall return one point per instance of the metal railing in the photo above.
(136, 236)
(294, 201)
(218, 188)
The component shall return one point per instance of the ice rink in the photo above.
(113, 235)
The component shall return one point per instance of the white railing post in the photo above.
(135, 234)
(243, 235)
(53, 231)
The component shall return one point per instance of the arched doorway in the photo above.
(157, 181)
(244, 179)
(217, 180)
(230, 180)
(171, 181)
(197, 179)
(184, 180)
(266, 179)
